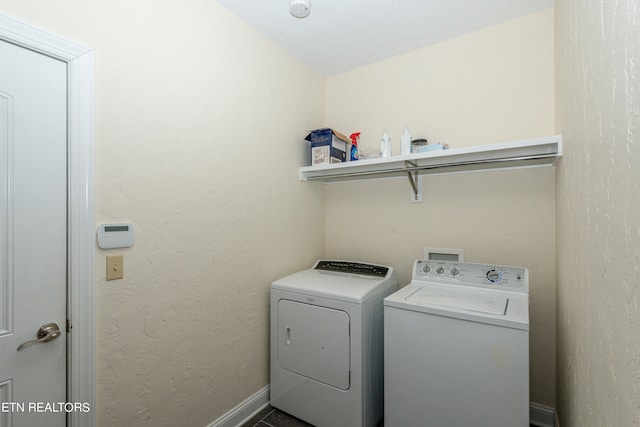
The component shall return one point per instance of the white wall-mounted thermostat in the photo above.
(112, 236)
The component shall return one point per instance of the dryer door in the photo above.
(314, 342)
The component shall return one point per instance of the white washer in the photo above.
(327, 343)
(457, 347)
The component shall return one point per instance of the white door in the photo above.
(33, 244)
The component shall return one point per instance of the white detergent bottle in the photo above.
(405, 141)
(385, 144)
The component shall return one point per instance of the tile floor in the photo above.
(272, 417)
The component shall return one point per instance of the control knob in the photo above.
(494, 276)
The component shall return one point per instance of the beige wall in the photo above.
(489, 86)
(199, 121)
(598, 222)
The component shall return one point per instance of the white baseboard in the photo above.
(244, 410)
(542, 416)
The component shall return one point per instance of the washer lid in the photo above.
(486, 304)
(500, 308)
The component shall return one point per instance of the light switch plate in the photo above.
(115, 267)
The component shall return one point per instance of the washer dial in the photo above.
(494, 276)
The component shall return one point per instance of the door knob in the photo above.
(47, 332)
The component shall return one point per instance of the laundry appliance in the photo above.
(327, 331)
(457, 347)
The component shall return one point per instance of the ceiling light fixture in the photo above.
(300, 8)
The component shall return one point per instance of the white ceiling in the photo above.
(340, 35)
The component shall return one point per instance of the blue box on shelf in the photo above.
(328, 146)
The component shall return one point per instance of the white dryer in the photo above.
(327, 343)
(457, 347)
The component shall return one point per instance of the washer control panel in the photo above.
(472, 274)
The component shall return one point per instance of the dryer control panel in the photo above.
(471, 274)
(353, 268)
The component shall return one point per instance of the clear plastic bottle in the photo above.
(385, 144)
(405, 141)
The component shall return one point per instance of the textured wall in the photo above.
(598, 222)
(489, 86)
(199, 121)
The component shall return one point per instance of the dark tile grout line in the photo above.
(265, 417)
(261, 420)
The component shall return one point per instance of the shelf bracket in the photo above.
(416, 183)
